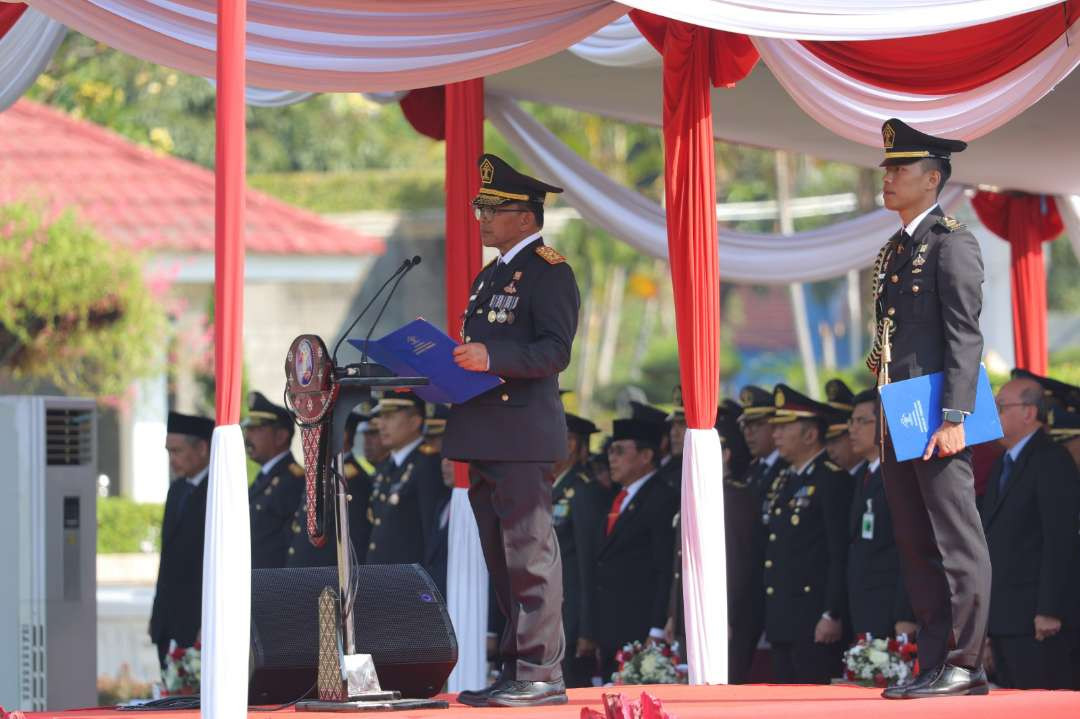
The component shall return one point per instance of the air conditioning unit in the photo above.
(48, 532)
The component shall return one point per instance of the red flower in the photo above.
(619, 656)
(849, 675)
(915, 669)
(181, 672)
(879, 680)
(665, 650)
(177, 653)
(198, 646)
(893, 645)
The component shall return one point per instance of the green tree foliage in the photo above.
(74, 309)
(173, 112)
(1062, 289)
(126, 527)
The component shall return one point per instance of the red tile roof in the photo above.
(144, 199)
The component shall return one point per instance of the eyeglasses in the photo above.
(488, 213)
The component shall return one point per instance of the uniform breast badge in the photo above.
(511, 289)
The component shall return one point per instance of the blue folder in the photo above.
(420, 349)
(913, 413)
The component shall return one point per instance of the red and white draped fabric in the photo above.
(226, 606)
(1025, 222)
(28, 39)
(695, 60)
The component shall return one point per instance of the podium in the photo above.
(321, 396)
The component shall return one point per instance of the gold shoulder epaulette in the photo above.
(296, 470)
(832, 466)
(351, 470)
(550, 256)
(951, 223)
(428, 450)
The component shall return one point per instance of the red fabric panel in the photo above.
(952, 61)
(1025, 222)
(689, 53)
(464, 131)
(229, 211)
(425, 109)
(730, 56)
(9, 15)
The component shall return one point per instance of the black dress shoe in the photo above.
(518, 693)
(948, 681)
(479, 697)
(924, 678)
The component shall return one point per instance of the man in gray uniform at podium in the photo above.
(519, 325)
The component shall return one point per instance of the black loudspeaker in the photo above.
(400, 619)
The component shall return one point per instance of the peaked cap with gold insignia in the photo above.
(791, 406)
(757, 403)
(262, 412)
(500, 183)
(904, 144)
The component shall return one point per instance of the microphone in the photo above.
(408, 265)
(403, 267)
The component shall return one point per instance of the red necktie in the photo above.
(613, 515)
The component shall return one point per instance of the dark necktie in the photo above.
(1006, 470)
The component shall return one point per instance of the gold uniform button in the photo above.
(258, 507)
(772, 537)
(915, 289)
(292, 551)
(891, 311)
(468, 339)
(894, 279)
(371, 546)
(479, 310)
(505, 397)
(769, 591)
(378, 521)
(806, 589)
(777, 511)
(768, 564)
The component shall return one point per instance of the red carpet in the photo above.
(726, 702)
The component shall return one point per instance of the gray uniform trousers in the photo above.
(943, 554)
(512, 505)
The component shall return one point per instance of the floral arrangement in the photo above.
(880, 662)
(654, 663)
(183, 667)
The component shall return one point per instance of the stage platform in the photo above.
(723, 702)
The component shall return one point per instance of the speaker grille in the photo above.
(399, 615)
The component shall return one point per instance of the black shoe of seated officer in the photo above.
(519, 693)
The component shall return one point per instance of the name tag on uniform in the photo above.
(868, 520)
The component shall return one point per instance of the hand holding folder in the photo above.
(419, 348)
(912, 410)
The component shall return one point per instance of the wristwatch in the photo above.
(952, 415)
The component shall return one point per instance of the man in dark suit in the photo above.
(636, 542)
(806, 514)
(577, 510)
(1029, 512)
(302, 553)
(878, 603)
(177, 611)
(437, 550)
(279, 486)
(408, 490)
(519, 325)
(745, 511)
(670, 466)
(928, 296)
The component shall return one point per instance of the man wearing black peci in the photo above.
(519, 325)
(928, 296)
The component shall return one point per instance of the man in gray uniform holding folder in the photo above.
(519, 325)
(928, 295)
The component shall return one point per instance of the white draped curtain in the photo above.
(25, 51)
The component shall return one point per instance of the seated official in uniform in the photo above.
(177, 612)
(408, 490)
(837, 440)
(279, 486)
(577, 512)
(302, 553)
(879, 605)
(1030, 515)
(632, 579)
(806, 553)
